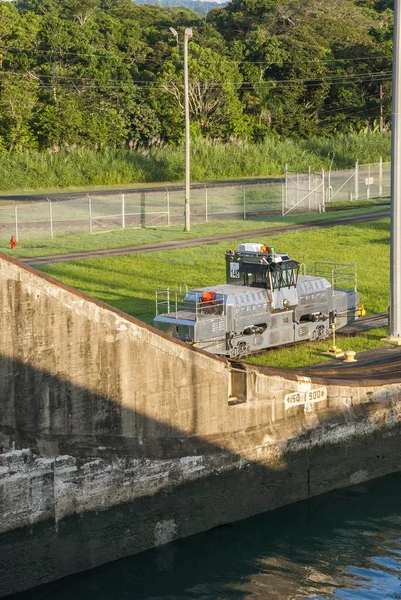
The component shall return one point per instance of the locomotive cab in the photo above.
(255, 265)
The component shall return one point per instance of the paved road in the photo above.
(33, 197)
(203, 241)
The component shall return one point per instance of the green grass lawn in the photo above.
(133, 237)
(129, 282)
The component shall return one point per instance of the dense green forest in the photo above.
(201, 7)
(101, 74)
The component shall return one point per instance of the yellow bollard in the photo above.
(361, 312)
(350, 356)
(334, 351)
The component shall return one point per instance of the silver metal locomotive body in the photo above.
(265, 303)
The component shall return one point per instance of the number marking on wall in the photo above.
(305, 398)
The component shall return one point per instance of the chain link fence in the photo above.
(310, 191)
(97, 213)
(303, 192)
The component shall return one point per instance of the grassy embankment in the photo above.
(133, 237)
(129, 282)
(82, 167)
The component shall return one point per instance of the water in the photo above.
(343, 545)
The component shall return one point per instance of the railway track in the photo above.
(203, 241)
(364, 324)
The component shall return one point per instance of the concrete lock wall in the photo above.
(115, 438)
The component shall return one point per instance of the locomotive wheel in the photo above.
(321, 333)
(243, 349)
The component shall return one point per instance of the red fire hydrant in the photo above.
(13, 243)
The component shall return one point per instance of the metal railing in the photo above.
(172, 302)
(341, 276)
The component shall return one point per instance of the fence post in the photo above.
(90, 214)
(329, 186)
(282, 198)
(286, 187)
(168, 207)
(368, 186)
(381, 177)
(123, 211)
(143, 210)
(357, 180)
(309, 187)
(206, 207)
(323, 192)
(16, 221)
(244, 193)
(51, 218)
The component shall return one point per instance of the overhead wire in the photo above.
(348, 113)
(116, 83)
(321, 112)
(84, 83)
(101, 53)
(328, 77)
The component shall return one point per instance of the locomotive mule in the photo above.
(267, 300)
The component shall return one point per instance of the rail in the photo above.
(340, 275)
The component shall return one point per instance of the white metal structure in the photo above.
(395, 258)
(187, 37)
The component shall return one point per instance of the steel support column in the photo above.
(395, 255)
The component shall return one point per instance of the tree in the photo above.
(106, 72)
(300, 57)
(213, 84)
(18, 97)
(80, 10)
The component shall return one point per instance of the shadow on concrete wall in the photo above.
(55, 417)
(52, 415)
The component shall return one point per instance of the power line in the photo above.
(122, 55)
(115, 83)
(313, 60)
(345, 110)
(98, 53)
(320, 111)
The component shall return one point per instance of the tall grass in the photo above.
(367, 148)
(83, 167)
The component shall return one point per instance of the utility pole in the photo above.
(381, 128)
(187, 37)
(395, 239)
